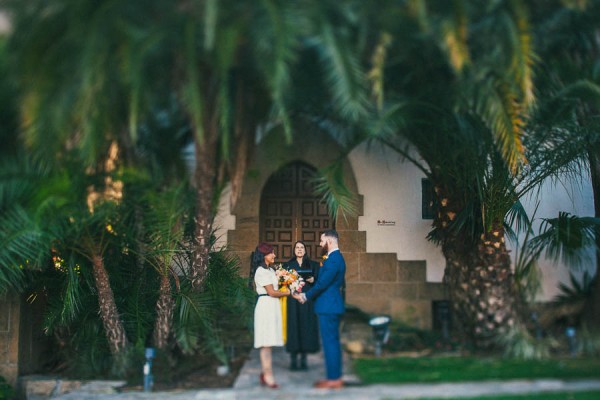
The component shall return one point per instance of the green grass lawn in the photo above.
(456, 369)
(592, 395)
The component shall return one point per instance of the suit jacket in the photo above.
(327, 290)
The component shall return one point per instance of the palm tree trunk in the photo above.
(499, 302)
(591, 312)
(164, 314)
(246, 110)
(482, 289)
(204, 176)
(479, 278)
(113, 326)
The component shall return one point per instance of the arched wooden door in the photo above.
(290, 211)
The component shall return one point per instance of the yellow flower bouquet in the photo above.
(289, 278)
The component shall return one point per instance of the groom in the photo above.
(329, 307)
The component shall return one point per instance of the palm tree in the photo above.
(49, 218)
(225, 63)
(96, 76)
(439, 88)
(165, 222)
(570, 86)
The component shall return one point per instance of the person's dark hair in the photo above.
(257, 259)
(304, 258)
(332, 233)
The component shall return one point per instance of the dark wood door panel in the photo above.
(290, 211)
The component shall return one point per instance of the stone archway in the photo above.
(311, 147)
(375, 282)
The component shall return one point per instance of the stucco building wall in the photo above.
(392, 191)
(574, 197)
(392, 267)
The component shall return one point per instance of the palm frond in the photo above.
(455, 35)
(275, 60)
(498, 105)
(519, 343)
(211, 12)
(565, 102)
(193, 316)
(524, 57)
(226, 54)
(376, 73)
(517, 217)
(568, 238)
(25, 245)
(528, 276)
(330, 186)
(343, 72)
(165, 213)
(418, 9)
(576, 292)
(67, 292)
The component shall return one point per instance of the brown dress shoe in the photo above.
(329, 384)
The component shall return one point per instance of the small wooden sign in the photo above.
(383, 222)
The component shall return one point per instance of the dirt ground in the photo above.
(191, 373)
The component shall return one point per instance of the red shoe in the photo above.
(329, 384)
(263, 382)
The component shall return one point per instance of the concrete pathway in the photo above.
(298, 385)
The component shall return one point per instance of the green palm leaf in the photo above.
(568, 238)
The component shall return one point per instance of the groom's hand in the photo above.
(301, 297)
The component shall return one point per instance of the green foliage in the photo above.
(528, 277)
(140, 239)
(25, 241)
(577, 292)
(334, 193)
(8, 106)
(6, 391)
(460, 369)
(568, 238)
(518, 343)
(207, 324)
(221, 316)
(576, 395)
(71, 315)
(407, 338)
(588, 342)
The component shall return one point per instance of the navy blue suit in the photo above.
(329, 307)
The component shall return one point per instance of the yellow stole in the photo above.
(283, 302)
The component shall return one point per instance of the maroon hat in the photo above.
(265, 248)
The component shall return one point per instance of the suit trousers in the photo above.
(329, 325)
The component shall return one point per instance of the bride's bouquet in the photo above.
(289, 278)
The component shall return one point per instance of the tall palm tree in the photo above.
(91, 71)
(570, 86)
(441, 89)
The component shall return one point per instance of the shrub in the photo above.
(6, 391)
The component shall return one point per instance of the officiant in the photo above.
(302, 323)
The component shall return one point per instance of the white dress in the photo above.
(268, 325)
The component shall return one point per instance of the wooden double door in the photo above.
(290, 211)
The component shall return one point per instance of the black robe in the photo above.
(302, 323)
